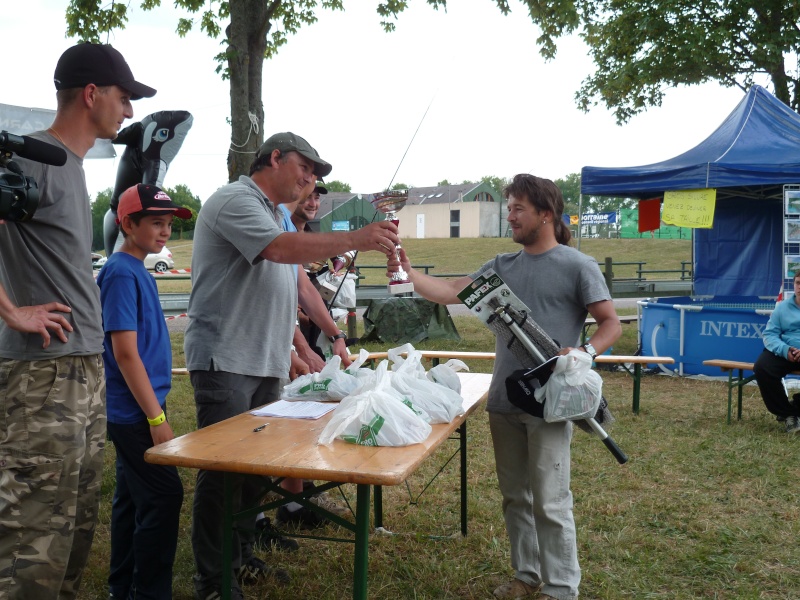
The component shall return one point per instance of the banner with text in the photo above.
(604, 218)
(690, 208)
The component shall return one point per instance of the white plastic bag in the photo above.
(573, 391)
(447, 374)
(374, 416)
(329, 384)
(355, 369)
(440, 403)
(411, 364)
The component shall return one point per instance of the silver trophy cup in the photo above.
(389, 203)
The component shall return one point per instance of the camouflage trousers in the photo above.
(52, 435)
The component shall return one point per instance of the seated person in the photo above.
(780, 357)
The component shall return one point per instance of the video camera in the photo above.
(19, 195)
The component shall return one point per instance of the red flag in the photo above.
(649, 214)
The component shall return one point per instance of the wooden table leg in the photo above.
(361, 560)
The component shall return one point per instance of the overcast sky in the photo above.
(358, 95)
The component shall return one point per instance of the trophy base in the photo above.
(397, 289)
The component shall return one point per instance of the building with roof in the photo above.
(448, 211)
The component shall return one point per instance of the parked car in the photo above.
(160, 262)
(95, 258)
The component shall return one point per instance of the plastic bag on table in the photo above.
(329, 384)
(411, 364)
(441, 403)
(447, 374)
(374, 416)
(356, 370)
(573, 391)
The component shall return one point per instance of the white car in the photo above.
(161, 262)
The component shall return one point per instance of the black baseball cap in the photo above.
(318, 189)
(289, 142)
(148, 200)
(99, 64)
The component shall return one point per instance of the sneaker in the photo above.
(268, 538)
(303, 518)
(214, 594)
(324, 501)
(255, 570)
(516, 588)
(792, 424)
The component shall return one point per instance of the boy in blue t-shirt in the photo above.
(138, 361)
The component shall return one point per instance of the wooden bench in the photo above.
(631, 364)
(736, 379)
(623, 319)
(636, 362)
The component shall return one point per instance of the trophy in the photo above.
(389, 202)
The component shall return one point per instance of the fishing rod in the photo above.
(355, 252)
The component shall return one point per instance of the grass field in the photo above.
(462, 256)
(702, 509)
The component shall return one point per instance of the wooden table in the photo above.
(288, 448)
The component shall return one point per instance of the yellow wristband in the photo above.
(158, 420)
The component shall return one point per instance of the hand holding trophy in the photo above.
(389, 203)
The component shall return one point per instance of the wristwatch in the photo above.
(590, 350)
(339, 336)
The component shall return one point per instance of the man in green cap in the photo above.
(242, 313)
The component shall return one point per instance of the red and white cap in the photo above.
(148, 200)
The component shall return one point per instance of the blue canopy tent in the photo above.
(748, 159)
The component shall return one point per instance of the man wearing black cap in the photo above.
(241, 321)
(306, 210)
(53, 400)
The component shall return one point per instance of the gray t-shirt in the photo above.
(48, 259)
(242, 308)
(556, 286)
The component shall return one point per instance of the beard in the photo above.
(526, 238)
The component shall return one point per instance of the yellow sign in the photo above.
(573, 219)
(690, 208)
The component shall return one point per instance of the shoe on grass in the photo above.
(324, 501)
(255, 570)
(302, 518)
(516, 588)
(792, 424)
(268, 538)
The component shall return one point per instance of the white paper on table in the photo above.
(298, 409)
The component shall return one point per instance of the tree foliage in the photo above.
(337, 186)
(496, 183)
(100, 207)
(641, 48)
(182, 196)
(254, 30)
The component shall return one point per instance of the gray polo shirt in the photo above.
(242, 308)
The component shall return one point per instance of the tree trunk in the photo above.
(247, 43)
